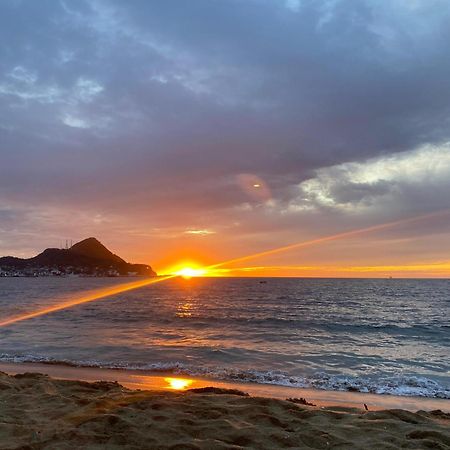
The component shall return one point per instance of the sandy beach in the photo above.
(39, 412)
(148, 380)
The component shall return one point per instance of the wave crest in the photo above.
(403, 385)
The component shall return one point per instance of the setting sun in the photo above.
(189, 272)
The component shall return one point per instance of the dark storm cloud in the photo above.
(152, 109)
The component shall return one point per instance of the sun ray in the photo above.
(89, 297)
(107, 292)
(333, 237)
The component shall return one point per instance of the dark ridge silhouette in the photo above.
(88, 256)
(93, 248)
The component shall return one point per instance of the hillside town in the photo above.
(63, 272)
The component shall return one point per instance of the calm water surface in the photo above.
(383, 336)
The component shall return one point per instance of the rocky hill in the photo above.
(88, 257)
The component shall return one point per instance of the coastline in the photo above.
(147, 380)
(39, 412)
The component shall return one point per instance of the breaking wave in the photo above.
(403, 385)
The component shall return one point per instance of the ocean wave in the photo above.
(403, 385)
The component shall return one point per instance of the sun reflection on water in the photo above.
(184, 309)
(178, 384)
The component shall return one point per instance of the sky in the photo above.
(200, 131)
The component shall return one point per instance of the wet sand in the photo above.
(38, 412)
(151, 381)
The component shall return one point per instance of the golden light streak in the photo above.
(436, 269)
(89, 297)
(106, 292)
(333, 237)
(178, 384)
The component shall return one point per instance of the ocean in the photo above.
(369, 335)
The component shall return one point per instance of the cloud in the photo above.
(22, 84)
(416, 179)
(75, 122)
(200, 232)
(150, 112)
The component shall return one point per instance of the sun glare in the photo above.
(189, 272)
(178, 384)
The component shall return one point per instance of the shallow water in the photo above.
(381, 336)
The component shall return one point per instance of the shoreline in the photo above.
(39, 412)
(147, 380)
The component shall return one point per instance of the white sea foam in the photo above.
(402, 385)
